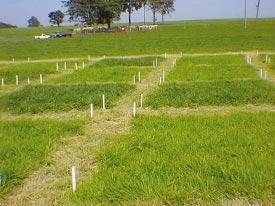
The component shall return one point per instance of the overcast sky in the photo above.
(17, 12)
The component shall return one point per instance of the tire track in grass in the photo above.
(52, 182)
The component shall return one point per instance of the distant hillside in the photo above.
(3, 25)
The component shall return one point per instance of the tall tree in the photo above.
(165, 7)
(84, 11)
(56, 17)
(144, 3)
(108, 11)
(154, 5)
(33, 22)
(258, 8)
(129, 6)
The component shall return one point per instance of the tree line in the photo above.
(90, 12)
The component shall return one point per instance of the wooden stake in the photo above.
(163, 76)
(29, 60)
(65, 66)
(165, 56)
(103, 102)
(261, 73)
(13, 60)
(74, 178)
(3, 82)
(76, 66)
(156, 63)
(141, 100)
(57, 67)
(265, 75)
(134, 109)
(29, 81)
(139, 77)
(134, 80)
(160, 80)
(266, 59)
(17, 80)
(83, 65)
(89, 58)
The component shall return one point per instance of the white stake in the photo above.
(65, 66)
(134, 109)
(163, 76)
(13, 60)
(83, 65)
(17, 80)
(181, 54)
(141, 100)
(265, 75)
(134, 80)
(156, 63)
(76, 66)
(160, 80)
(29, 59)
(92, 110)
(103, 102)
(29, 81)
(261, 73)
(41, 79)
(250, 60)
(57, 67)
(139, 77)
(266, 59)
(165, 55)
(74, 178)
(257, 53)
(3, 82)
(269, 60)
(89, 58)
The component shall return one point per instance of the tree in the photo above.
(33, 22)
(129, 6)
(144, 3)
(56, 17)
(165, 7)
(153, 4)
(108, 11)
(258, 8)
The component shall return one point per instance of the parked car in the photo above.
(42, 36)
(60, 34)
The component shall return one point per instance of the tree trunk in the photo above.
(109, 23)
(162, 18)
(144, 13)
(58, 24)
(258, 8)
(154, 15)
(130, 20)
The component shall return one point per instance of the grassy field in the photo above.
(194, 159)
(39, 99)
(189, 36)
(212, 68)
(25, 145)
(217, 93)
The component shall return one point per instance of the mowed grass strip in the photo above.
(210, 68)
(186, 160)
(218, 93)
(25, 145)
(53, 98)
(104, 74)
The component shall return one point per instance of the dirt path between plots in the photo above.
(49, 184)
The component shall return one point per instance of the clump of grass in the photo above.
(103, 74)
(24, 71)
(144, 61)
(39, 99)
(221, 93)
(25, 144)
(182, 160)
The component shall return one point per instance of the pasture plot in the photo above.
(25, 145)
(217, 93)
(56, 98)
(208, 68)
(192, 159)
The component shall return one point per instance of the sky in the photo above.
(17, 12)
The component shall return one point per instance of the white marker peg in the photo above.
(74, 178)
(165, 56)
(141, 100)
(160, 80)
(3, 82)
(57, 67)
(13, 60)
(29, 59)
(261, 73)
(269, 60)
(83, 65)
(89, 58)
(76, 66)
(156, 62)
(65, 66)
(29, 81)
(103, 102)
(163, 76)
(139, 77)
(257, 52)
(41, 79)
(92, 110)
(266, 59)
(134, 80)
(265, 75)
(134, 109)
(17, 80)
(181, 54)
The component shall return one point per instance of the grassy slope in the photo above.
(188, 159)
(25, 144)
(212, 93)
(212, 68)
(39, 99)
(194, 36)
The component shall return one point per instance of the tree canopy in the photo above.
(33, 22)
(56, 17)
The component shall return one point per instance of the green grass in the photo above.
(184, 160)
(104, 74)
(212, 68)
(188, 36)
(25, 145)
(217, 93)
(144, 61)
(39, 99)
(25, 71)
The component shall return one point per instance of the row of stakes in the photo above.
(248, 59)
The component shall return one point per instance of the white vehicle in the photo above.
(42, 36)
